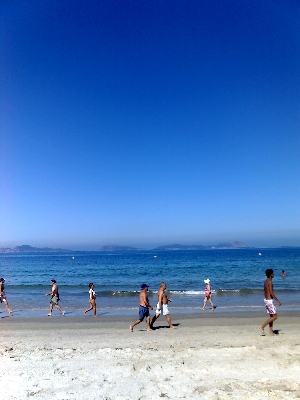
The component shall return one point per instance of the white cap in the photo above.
(206, 280)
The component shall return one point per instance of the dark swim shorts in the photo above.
(143, 312)
(54, 300)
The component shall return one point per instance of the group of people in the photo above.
(162, 303)
(55, 299)
(163, 300)
(161, 307)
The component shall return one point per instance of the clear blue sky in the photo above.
(150, 122)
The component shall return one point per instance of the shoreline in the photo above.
(132, 311)
(190, 319)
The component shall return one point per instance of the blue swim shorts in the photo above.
(143, 312)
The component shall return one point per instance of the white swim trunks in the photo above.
(270, 307)
(165, 309)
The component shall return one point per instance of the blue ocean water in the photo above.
(236, 275)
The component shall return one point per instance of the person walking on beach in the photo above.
(3, 298)
(54, 298)
(144, 306)
(162, 306)
(207, 295)
(93, 295)
(270, 307)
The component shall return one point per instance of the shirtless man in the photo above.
(144, 306)
(54, 298)
(162, 306)
(3, 296)
(270, 307)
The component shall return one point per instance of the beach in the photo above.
(211, 355)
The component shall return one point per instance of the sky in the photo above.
(145, 123)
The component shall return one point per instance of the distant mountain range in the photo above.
(114, 247)
(25, 248)
(226, 245)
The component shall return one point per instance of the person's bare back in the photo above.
(268, 290)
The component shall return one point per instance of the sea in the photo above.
(236, 276)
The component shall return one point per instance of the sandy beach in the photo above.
(209, 355)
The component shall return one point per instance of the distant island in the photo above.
(25, 248)
(116, 247)
(225, 245)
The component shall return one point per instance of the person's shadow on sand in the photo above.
(208, 309)
(163, 327)
(275, 331)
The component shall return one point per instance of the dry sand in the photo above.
(209, 355)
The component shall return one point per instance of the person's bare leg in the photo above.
(212, 305)
(134, 324)
(89, 309)
(50, 312)
(148, 324)
(271, 328)
(262, 330)
(60, 309)
(95, 310)
(153, 320)
(270, 323)
(7, 307)
(204, 304)
(168, 317)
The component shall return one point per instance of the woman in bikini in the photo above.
(207, 295)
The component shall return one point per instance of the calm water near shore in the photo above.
(236, 276)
